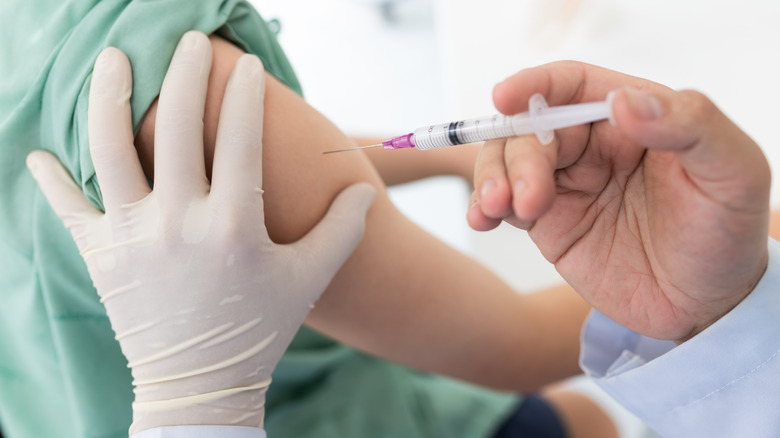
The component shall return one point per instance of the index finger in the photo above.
(565, 83)
(179, 165)
(561, 83)
(238, 158)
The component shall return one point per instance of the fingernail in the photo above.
(644, 106)
(519, 186)
(487, 186)
(610, 98)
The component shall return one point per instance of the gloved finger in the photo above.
(64, 196)
(110, 129)
(719, 158)
(490, 181)
(530, 168)
(179, 167)
(238, 159)
(328, 245)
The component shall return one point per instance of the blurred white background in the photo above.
(384, 67)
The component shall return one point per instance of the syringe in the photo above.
(539, 119)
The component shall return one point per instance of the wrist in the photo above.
(229, 407)
(724, 307)
(223, 384)
(201, 432)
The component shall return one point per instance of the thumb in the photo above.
(328, 245)
(64, 196)
(713, 151)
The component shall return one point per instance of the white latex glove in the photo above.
(202, 302)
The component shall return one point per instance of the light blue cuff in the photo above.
(201, 432)
(725, 374)
(609, 348)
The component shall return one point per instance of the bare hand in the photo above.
(660, 222)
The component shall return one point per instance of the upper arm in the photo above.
(774, 225)
(294, 169)
(402, 291)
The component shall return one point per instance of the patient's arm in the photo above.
(405, 165)
(774, 224)
(403, 295)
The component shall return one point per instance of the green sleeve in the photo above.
(147, 32)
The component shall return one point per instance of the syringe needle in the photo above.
(353, 149)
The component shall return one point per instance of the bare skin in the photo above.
(581, 417)
(774, 225)
(388, 300)
(405, 165)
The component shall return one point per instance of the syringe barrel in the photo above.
(557, 117)
(472, 131)
(540, 120)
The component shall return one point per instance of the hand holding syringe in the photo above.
(539, 119)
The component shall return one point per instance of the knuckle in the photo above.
(232, 228)
(698, 105)
(250, 87)
(167, 233)
(178, 120)
(110, 151)
(243, 134)
(490, 158)
(183, 67)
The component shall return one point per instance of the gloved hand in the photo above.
(202, 302)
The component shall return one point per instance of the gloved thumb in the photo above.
(64, 196)
(328, 245)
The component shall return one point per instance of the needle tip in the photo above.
(353, 149)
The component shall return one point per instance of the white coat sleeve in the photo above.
(201, 432)
(724, 382)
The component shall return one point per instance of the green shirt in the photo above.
(61, 371)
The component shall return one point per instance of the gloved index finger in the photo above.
(64, 196)
(238, 158)
(111, 132)
(179, 165)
